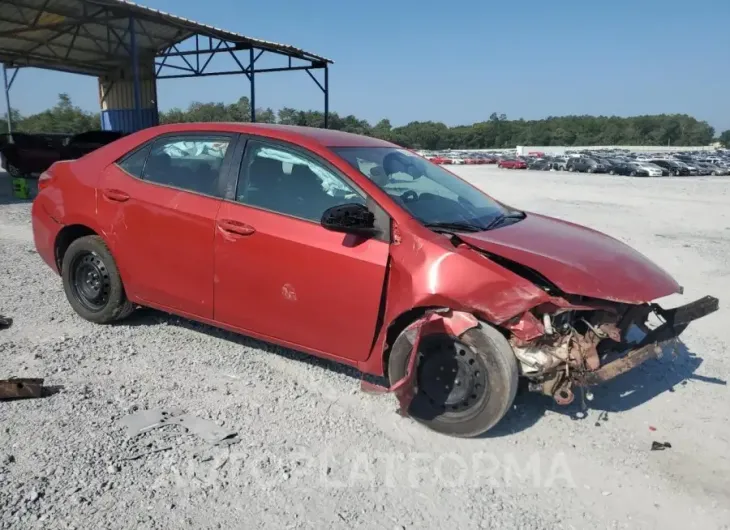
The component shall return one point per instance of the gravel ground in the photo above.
(315, 452)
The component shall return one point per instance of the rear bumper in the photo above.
(676, 321)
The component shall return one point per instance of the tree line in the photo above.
(495, 132)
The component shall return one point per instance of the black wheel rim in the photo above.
(90, 282)
(452, 379)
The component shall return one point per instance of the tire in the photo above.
(486, 353)
(611, 172)
(89, 256)
(632, 174)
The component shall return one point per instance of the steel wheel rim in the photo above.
(90, 282)
(451, 378)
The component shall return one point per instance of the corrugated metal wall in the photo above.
(120, 94)
(128, 120)
(116, 98)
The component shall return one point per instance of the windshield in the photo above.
(428, 192)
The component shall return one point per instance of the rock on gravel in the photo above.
(317, 453)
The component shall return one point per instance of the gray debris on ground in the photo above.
(207, 430)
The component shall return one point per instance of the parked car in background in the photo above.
(691, 167)
(511, 163)
(717, 170)
(646, 169)
(86, 142)
(28, 154)
(585, 165)
(674, 167)
(559, 163)
(540, 164)
(288, 234)
(623, 167)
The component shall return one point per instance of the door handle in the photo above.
(116, 195)
(236, 227)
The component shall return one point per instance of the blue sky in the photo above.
(459, 61)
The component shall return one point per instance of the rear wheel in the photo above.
(92, 283)
(465, 385)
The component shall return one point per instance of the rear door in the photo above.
(158, 207)
(279, 274)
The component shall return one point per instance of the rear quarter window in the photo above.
(134, 162)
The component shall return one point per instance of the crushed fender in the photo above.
(453, 323)
(18, 388)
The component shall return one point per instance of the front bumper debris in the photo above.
(676, 321)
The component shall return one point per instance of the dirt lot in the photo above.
(317, 453)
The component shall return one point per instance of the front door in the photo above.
(158, 207)
(279, 274)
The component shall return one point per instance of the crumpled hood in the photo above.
(577, 259)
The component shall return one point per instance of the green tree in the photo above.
(496, 132)
(63, 117)
(725, 139)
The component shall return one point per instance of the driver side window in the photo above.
(284, 181)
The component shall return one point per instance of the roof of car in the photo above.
(292, 133)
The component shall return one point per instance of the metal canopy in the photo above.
(95, 37)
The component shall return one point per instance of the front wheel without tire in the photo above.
(92, 283)
(465, 385)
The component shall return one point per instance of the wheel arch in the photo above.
(409, 316)
(67, 235)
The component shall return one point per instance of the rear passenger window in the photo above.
(193, 163)
(134, 163)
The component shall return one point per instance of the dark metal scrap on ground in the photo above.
(21, 388)
(5, 322)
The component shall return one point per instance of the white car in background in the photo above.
(651, 169)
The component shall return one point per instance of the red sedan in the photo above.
(509, 163)
(352, 249)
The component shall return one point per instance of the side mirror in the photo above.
(350, 218)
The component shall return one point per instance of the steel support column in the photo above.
(6, 85)
(134, 52)
(252, 78)
(326, 96)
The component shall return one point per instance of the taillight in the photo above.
(44, 180)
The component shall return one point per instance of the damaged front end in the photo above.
(569, 343)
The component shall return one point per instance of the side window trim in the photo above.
(382, 218)
(230, 179)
